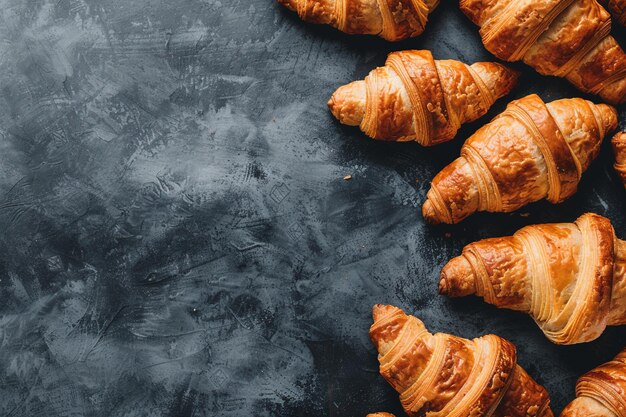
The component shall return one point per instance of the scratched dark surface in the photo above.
(177, 238)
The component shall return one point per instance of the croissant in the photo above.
(617, 9)
(414, 97)
(530, 152)
(381, 415)
(565, 38)
(601, 392)
(570, 277)
(619, 148)
(392, 20)
(442, 375)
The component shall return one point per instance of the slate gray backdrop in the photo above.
(177, 238)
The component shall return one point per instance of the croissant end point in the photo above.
(498, 78)
(508, 82)
(619, 147)
(290, 4)
(620, 137)
(472, 12)
(609, 117)
(381, 310)
(429, 213)
(347, 104)
(457, 278)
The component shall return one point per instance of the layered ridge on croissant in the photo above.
(392, 20)
(601, 392)
(619, 149)
(570, 277)
(440, 375)
(415, 97)
(564, 38)
(529, 152)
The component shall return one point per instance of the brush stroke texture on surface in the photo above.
(177, 237)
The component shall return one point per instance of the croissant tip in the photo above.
(332, 106)
(471, 11)
(347, 103)
(619, 150)
(288, 4)
(444, 285)
(381, 310)
(610, 117)
(511, 79)
(619, 142)
(429, 213)
(457, 278)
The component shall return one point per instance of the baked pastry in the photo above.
(601, 392)
(564, 38)
(617, 9)
(392, 20)
(619, 148)
(414, 97)
(381, 415)
(570, 277)
(530, 152)
(442, 375)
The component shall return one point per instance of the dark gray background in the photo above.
(177, 238)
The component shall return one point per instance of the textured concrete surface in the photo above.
(177, 238)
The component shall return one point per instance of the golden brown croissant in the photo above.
(601, 392)
(565, 38)
(381, 415)
(617, 9)
(619, 148)
(414, 97)
(392, 20)
(570, 277)
(530, 152)
(442, 375)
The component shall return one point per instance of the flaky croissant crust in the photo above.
(564, 38)
(442, 375)
(393, 20)
(570, 277)
(601, 392)
(530, 152)
(415, 97)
